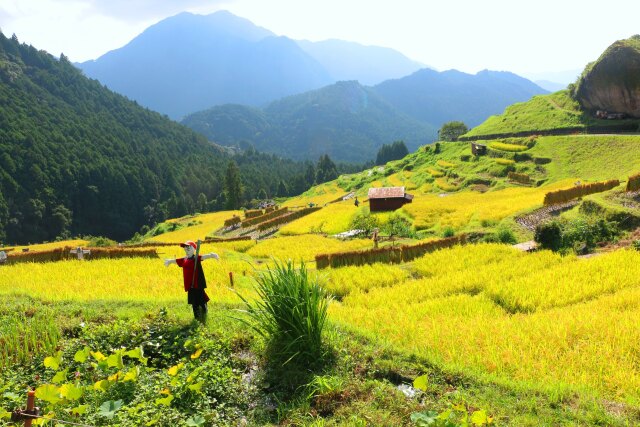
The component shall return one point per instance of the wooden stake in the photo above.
(231, 278)
(31, 402)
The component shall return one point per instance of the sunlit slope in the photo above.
(195, 227)
(556, 111)
(543, 320)
(542, 112)
(454, 188)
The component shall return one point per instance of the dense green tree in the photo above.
(262, 194)
(283, 191)
(395, 151)
(451, 131)
(326, 169)
(202, 204)
(233, 186)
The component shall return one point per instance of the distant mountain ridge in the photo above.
(351, 122)
(346, 120)
(438, 97)
(187, 63)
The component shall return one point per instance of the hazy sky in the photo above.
(524, 37)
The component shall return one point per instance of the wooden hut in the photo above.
(388, 198)
(478, 149)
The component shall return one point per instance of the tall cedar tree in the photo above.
(326, 169)
(233, 186)
(395, 151)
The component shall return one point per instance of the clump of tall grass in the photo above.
(290, 313)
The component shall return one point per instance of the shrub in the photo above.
(587, 232)
(636, 245)
(505, 235)
(363, 220)
(549, 235)
(448, 232)
(399, 226)
(290, 313)
(101, 242)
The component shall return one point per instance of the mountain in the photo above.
(190, 62)
(369, 65)
(438, 97)
(348, 121)
(612, 83)
(78, 159)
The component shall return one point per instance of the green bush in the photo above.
(636, 245)
(549, 235)
(363, 220)
(585, 233)
(290, 313)
(399, 226)
(448, 232)
(505, 235)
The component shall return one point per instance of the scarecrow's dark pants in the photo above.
(198, 303)
(200, 312)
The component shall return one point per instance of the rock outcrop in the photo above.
(612, 83)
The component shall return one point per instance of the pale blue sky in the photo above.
(524, 37)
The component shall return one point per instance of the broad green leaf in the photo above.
(102, 385)
(81, 356)
(60, 376)
(173, 371)
(54, 361)
(70, 391)
(49, 393)
(136, 353)
(79, 410)
(196, 421)
(166, 401)
(115, 377)
(98, 356)
(426, 418)
(175, 382)
(152, 422)
(4, 414)
(109, 408)
(115, 360)
(421, 383)
(132, 374)
(481, 418)
(196, 354)
(196, 387)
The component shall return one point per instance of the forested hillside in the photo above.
(76, 158)
(346, 120)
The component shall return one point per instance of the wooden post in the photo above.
(231, 278)
(31, 401)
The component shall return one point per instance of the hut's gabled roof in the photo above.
(386, 192)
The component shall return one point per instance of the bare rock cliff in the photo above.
(612, 83)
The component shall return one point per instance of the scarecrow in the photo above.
(194, 280)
